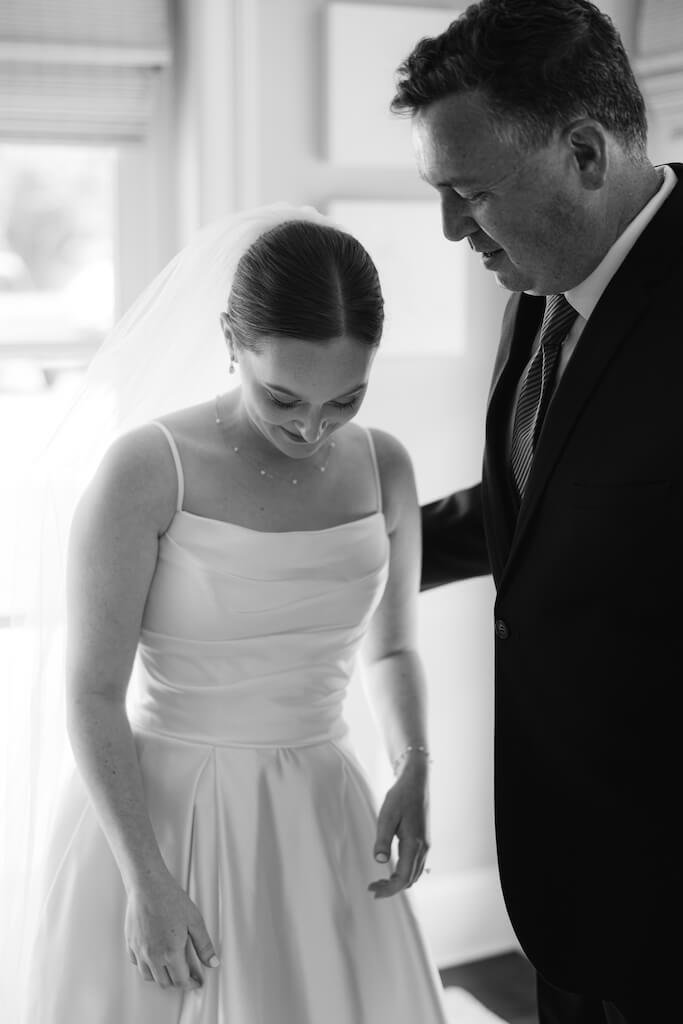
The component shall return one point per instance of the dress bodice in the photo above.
(250, 638)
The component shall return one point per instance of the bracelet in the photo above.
(418, 749)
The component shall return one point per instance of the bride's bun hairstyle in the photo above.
(308, 281)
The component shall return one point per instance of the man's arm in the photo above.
(453, 540)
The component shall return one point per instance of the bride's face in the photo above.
(297, 393)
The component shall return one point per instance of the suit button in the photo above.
(502, 631)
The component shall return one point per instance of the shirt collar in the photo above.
(584, 297)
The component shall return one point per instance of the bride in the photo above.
(216, 855)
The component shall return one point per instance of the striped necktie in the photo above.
(537, 387)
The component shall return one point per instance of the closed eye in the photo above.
(476, 197)
(346, 405)
(281, 405)
(291, 405)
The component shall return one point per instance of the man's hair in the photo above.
(537, 64)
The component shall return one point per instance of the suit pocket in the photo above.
(619, 495)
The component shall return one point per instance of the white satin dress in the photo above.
(260, 808)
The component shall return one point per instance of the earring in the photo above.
(233, 363)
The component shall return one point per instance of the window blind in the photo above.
(80, 70)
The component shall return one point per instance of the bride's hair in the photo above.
(306, 280)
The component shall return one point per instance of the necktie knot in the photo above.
(558, 316)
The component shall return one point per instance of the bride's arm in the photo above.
(395, 678)
(111, 561)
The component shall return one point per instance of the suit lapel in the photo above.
(624, 302)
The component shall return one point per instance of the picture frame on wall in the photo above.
(423, 275)
(365, 43)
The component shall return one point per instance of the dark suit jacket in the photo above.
(588, 626)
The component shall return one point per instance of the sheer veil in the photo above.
(167, 352)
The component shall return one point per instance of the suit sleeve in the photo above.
(453, 541)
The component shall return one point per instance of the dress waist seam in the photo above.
(197, 741)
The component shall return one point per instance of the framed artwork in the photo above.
(423, 275)
(365, 45)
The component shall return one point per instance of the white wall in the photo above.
(658, 50)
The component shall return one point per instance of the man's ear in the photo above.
(589, 146)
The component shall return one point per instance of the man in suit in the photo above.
(529, 123)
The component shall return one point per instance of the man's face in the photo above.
(525, 211)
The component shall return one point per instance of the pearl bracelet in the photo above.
(418, 749)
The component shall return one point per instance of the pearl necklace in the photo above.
(294, 481)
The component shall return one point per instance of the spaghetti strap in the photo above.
(375, 466)
(178, 464)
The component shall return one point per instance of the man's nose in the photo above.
(456, 220)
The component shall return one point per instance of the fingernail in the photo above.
(382, 858)
(214, 961)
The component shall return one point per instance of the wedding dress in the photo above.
(259, 806)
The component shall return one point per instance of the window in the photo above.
(82, 136)
(56, 254)
(56, 296)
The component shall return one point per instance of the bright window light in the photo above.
(57, 286)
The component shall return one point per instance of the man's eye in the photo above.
(476, 197)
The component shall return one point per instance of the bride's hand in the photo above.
(403, 814)
(166, 935)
